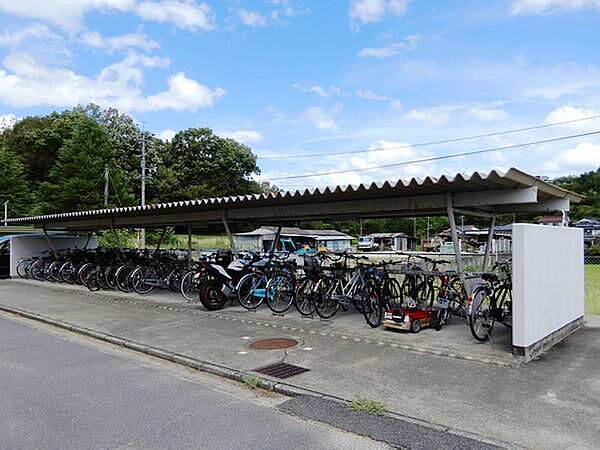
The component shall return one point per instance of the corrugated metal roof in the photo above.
(494, 180)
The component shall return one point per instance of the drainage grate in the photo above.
(282, 370)
(274, 344)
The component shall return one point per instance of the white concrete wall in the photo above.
(548, 280)
(27, 246)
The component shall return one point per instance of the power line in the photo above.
(435, 158)
(424, 144)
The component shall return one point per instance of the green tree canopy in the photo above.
(587, 184)
(76, 181)
(13, 186)
(197, 163)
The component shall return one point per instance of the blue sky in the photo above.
(292, 77)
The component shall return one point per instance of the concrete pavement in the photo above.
(550, 403)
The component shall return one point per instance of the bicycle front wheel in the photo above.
(481, 318)
(280, 293)
(143, 280)
(251, 291)
(372, 305)
(305, 296)
(327, 304)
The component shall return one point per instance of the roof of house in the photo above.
(386, 235)
(297, 232)
(550, 219)
(587, 221)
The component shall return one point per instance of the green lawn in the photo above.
(203, 242)
(592, 289)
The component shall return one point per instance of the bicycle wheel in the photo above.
(326, 298)
(91, 281)
(111, 277)
(212, 296)
(481, 318)
(251, 291)
(37, 270)
(392, 293)
(67, 272)
(84, 272)
(123, 278)
(280, 293)
(187, 288)
(143, 280)
(54, 270)
(305, 296)
(22, 268)
(372, 305)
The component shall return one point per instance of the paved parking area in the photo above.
(551, 402)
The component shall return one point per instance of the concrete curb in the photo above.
(265, 383)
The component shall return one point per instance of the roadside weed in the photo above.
(251, 381)
(372, 407)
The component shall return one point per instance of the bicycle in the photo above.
(491, 303)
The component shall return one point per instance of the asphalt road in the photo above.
(62, 392)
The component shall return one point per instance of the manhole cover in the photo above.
(282, 370)
(274, 344)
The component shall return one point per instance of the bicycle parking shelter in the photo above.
(479, 194)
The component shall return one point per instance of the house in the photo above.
(591, 228)
(386, 241)
(552, 221)
(292, 238)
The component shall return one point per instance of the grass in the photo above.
(216, 241)
(592, 289)
(252, 381)
(371, 407)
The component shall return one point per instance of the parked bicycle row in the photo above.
(413, 293)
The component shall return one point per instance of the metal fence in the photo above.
(592, 284)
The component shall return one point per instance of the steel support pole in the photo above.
(88, 240)
(276, 240)
(50, 246)
(189, 247)
(229, 235)
(459, 262)
(488, 244)
(162, 235)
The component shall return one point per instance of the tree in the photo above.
(197, 163)
(588, 185)
(76, 181)
(13, 186)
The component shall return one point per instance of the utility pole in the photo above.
(6, 213)
(106, 178)
(143, 230)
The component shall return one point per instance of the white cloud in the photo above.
(314, 88)
(488, 114)
(7, 121)
(436, 116)
(585, 156)
(566, 113)
(370, 95)
(323, 119)
(130, 40)
(167, 135)
(69, 14)
(187, 14)
(409, 42)
(245, 136)
(35, 31)
(252, 19)
(26, 83)
(371, 11)
(551, 6)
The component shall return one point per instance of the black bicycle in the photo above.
(492, 302)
